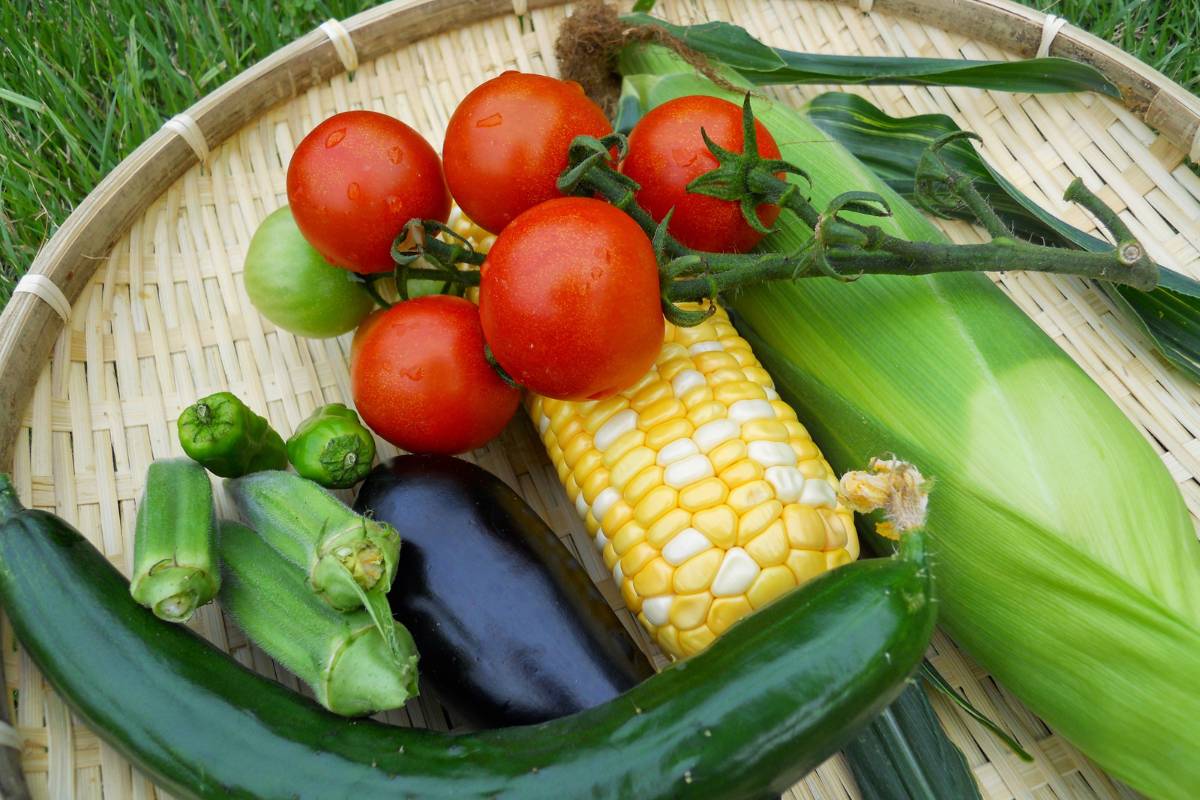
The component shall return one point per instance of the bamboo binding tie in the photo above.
(189, 131)
(1051, 25)
(342, 43)
(48, 292)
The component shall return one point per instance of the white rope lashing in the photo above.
(48, 292)
(1051, 25)
(342, 43)
(189, 131)
(865, 6)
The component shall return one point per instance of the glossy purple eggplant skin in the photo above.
(510, 628)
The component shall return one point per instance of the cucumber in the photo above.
(780, 692)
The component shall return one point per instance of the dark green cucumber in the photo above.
(776, 695)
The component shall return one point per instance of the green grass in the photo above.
(83, 82)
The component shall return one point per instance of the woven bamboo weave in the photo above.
(165, 319)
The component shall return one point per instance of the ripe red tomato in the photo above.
(355, 180)
(421, 381)
(507, 142)
(569, 300)
(667, 152)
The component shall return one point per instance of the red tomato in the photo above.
(667, 152)
(421, 381)
(569, 300)
(355, 180)
(507, 142)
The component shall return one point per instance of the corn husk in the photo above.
(1066, 561)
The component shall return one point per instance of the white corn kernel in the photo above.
(719, 431)
(746, 410)
(771, 393)
(737, 571)
(581, 505)
(604, 501)
(619, 423)
(687, 471)
(704, 347)
(788, 482)
(685, 381)
(543, 424)
(772, 454)
(618, 573)
(676, 450)
(600, 539)
(818, 493)
(657, 609)
(687, 543)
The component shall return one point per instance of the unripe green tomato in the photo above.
(293, 286)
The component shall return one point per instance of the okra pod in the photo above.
(350, 559)
(174, 547)
(342, 656)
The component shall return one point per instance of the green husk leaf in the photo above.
(892, 147)
(1065, 556)
(762, 65)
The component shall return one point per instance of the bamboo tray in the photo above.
(136, 306)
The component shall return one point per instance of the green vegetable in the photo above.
(290, 284)
(174, 547)
(332, 447)
(229, 439)
(350, 560)
(714, 727)
(1067, 562)
(342, 656)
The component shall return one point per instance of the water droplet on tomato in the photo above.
(335, 138)
(353, 191)
(394, 203)
(684, 156)
(490, 121)
(396, 155)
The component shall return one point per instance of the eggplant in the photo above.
(510, 628)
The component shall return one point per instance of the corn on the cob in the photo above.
(702, 490)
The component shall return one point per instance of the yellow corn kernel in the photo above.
(730, 393)
(695, 640)
(664, 433)
(603, 411)
(642, 383)
(806, 564)
(725, 611)
(703, 494)
(622, 445)
(697, 396)
(654, 578)
(668, 638)
(770, 584)
(642, 483)
(667, 408)
(805, 529)
(561, 468)
(812, 469)
(706, 412)
(836, 558)
(631, 464)
(576, 447)
(586, 464)
(567, 430)
(770, 547)
(665, 528)
(835, 534)
(617, 516)
(571, 487)
(719, 524)
(696, 574)
(756, 520)
(657, 502)
(594, 484)
(633, 600)
(638, 556)
(688, 336)
(690, 610)
(749, 495)
(609, 555)
(759, 375)
(770, 430)
(796, 430)
(590, 524)
(805, 449)
(720, 378)
(650, 395)
(627, 536)
(727, 453)
(714, 360)
(782, 410)
(677, 363)
(742, 472)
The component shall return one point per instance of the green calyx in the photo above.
(173, 591)
(369, 673)
(332, 447)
